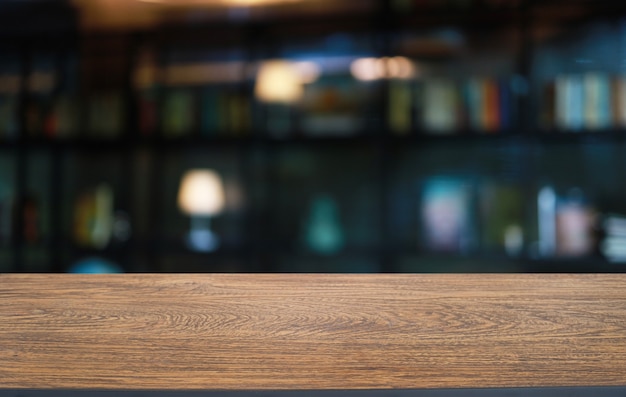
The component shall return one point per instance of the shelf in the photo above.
(476, 17)
(440, 262)
(610, 135)
(258, 138)
(574, 265)
(459, 137)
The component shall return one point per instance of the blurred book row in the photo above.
(61, 116)
(336, 106)
(452, 216)
(591, 101)
(458, 216)
(95, 223)
(446, 106)
(336, 96)
(211, 112)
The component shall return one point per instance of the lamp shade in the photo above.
(201, 193)
(278, 81)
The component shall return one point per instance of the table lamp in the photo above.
(201, 196)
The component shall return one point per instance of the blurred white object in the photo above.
(201, 195)
(546, 204)
(613, 247)
(513, 240)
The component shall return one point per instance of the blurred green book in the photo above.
(106, 115)
(502, 213)
(400, 104)
(178, 114)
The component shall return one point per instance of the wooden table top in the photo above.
(268, 331)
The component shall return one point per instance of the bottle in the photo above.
(323, 232)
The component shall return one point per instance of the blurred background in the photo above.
(312, 136)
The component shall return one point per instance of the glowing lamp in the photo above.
(201, 196)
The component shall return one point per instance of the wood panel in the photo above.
(295, 331)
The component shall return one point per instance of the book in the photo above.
(211, 115)
(399, 107)
(224, 112)
(106, 115)
(597, 108)
(506, 106)
(64, 118)
(618, 101)
(240, 114)
(502, 213)
(147, 108)
(440, 106)
(482, 104)
(575, 103)
(178, 113)
(93, 217)
(548, 113)
(491, 106)
(475, 102)
(570, 103)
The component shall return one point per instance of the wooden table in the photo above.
(311, 331)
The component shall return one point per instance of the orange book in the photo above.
(618, 87)
(491, 106)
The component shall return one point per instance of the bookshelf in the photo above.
(461, 127)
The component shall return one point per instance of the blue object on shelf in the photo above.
(95, 265)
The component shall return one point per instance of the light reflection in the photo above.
(369, 69)
(308, 71)
(364, 69)
(279, 82)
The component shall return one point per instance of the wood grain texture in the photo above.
(295, 331)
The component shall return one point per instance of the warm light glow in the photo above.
(241, 3)
(278, 81)
(369, 69)
(252, 3)
(201, 193)
(308, 71)
(393, 66)
(401, 67)
(364, 69)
